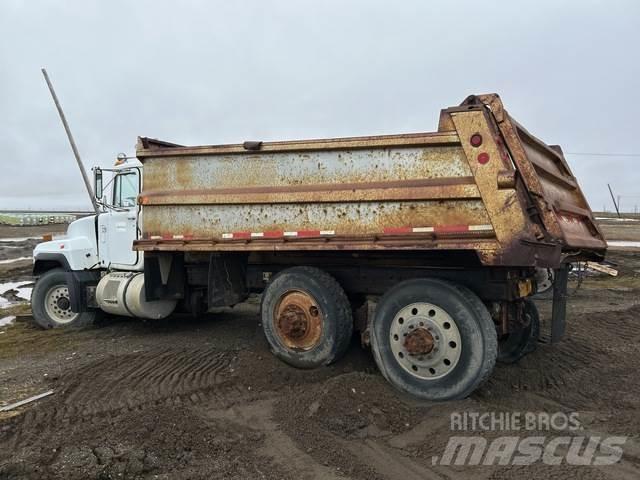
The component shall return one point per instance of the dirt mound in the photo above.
(347, 407)
(163, 442)
(353, 405)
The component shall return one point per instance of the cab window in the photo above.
(125, 189)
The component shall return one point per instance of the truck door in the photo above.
(119, 227)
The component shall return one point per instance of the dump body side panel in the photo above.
(350, 192)
(391, 195)
(399, 192)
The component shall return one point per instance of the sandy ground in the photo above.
(204, 398)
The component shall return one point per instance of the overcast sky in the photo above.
(203, 72)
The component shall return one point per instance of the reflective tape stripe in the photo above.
(308, 233)
(397, 230)
(273, 234)
(437, 229)
(452, 229)
(278, 234)
(480, 227)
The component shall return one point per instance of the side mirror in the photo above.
(97, 182)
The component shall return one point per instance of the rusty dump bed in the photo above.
(480, 183)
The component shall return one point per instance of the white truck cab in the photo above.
(92, 248)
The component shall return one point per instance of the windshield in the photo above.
(125, 189)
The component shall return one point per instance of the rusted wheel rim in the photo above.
(298, 320)
(425, 340)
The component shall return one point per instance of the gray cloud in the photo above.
(216, 72)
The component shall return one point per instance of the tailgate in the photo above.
(554, 190)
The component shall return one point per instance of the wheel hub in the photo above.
(293, 322)
(63, 303)
(298, 320)
(419, 342)
(425, 340)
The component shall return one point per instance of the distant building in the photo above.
(35, 218)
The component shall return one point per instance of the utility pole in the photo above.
(72, 142)
(615, 204)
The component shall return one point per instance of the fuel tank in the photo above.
(122, 293)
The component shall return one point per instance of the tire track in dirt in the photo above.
(111, 387)
(277, 446)
(141, 378)
(582, 372)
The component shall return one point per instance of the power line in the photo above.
(598, 154)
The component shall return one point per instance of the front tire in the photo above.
(50, 304)
(433, 339)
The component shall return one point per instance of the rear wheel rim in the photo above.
(425, 341)
(298, 320)
(58, 305)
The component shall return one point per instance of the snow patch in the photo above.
(19, 239)
(11, 260)
(623, 243)
(7, 320)
(616, 219)
(22, 289)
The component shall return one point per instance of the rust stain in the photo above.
(419, 342)
(411, 139)
(445, 188)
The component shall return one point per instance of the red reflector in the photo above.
(483, 158)
(476, 140)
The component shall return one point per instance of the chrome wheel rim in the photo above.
(58, 306)
(425, 341)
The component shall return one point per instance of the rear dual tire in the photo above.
(515, 345)
(430, 338)
(433, 339)
(306, 317)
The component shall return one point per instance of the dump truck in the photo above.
(427, 246)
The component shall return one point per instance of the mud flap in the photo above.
(559, 309)
(82, 290)
(227, 284)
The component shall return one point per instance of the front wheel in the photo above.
(433, 339)
(50, 304)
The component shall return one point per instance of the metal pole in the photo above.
(72, 142)
(559, 305)
(614, 199)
